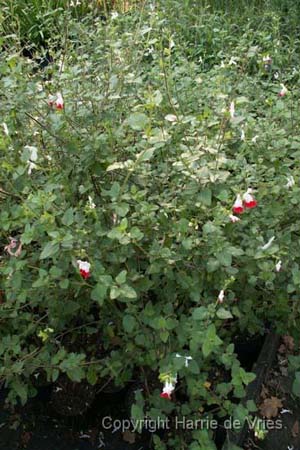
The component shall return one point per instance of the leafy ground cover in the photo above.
(149, 201)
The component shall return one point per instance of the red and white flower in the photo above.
(56, 100)
(168, 389)
(59, 102)
(238, 207)
(84, 268)
(234, 218)
(283, 91)
(248, 199)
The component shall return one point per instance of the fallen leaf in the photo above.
(289, 342)
(295, 429)
(264, 392)
(116, 341)
(270, 406)
(282, 349)
(25, 438)
(284, 371)
(129, 437)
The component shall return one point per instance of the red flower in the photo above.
(84, 274)
(165, 395)
(283, 91)
(249, 200)
(84, 268)
(169, 386)
(59, 103)
(56, 100)
(238, 207)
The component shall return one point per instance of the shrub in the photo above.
(135, 171)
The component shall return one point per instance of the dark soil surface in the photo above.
(36, 426)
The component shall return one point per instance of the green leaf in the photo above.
(71, 365)
(114, 292)
(211, 341)
(121, 278)
(205, 197)
(122, 209)
(212, 265)
(127, 292)
(54, 375)
(246, 377)
(240, 414)
(91, 375)
(137, 413)
(146, 154)
(200, 313)
(224, 258)
(296, 385)
(21, 390)
(129, 323)
(99, 293)
(50, 249)
(223, 313)
(164, 335)
(251, 406)
(294, 362)
(296, 276)
(76, 374)
(64, 284)
(68, 217)
(137, 121)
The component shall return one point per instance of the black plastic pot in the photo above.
(260, 368)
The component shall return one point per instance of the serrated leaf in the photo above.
(129, 323)
(223, 313)
(127, 292)
(205, 197)
(21, 390)
(91, 376)
(200, 313)
(121, 278)
(146, 155)
(50, 249)
(137, 121)
(296, 385)
(68, 217)
(99, 293)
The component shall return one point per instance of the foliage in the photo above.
(37, 23)
(137, 175)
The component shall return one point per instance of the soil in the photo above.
(36, 426)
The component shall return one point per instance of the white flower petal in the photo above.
(171, 118)
(278, 266)
(83, 265)
(268, 244)
(5, 129)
